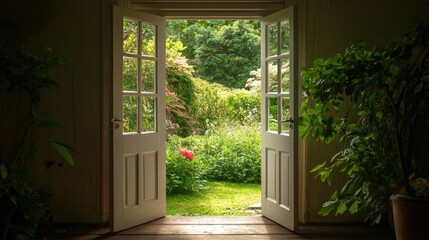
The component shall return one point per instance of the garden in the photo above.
(213, 117)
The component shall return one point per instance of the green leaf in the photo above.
(63, 150)
(344, 189)
(334, 196)
(3, 171)
(316, 168)
(353, 169)
(168, 100)
(341, 208)
(354, 208)
(324, 211)
(325, 176)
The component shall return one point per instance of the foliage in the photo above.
(216, 199)
(226, 153)
(215, 104)
(186, 30)
(230, 152)
(242, 106)
(209, 105)
(222, 51)
(28, 201)
(180, 91)
(377, 100)
(228, 55)
(182, 174)
(23, 76)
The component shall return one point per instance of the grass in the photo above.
(219, 199)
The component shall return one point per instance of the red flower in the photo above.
(187, 153)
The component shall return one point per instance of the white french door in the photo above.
(279, 111)
(139, 193)
(138, 118)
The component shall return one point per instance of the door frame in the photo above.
(106, 136)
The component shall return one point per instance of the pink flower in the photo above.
(187, 153)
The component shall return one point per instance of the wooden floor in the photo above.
(225, 228)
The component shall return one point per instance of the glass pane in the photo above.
(147, 79)
(285, 75)
(272, 76)
(285, 28)
(285, 114)
(272, 39)
(129, 74)
(272, 114)
(130, 113)
(130, 36)
(148, 39)
(148, 114)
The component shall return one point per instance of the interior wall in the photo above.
(80, 30)
(331, 26)
(72, 29)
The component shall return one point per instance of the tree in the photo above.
(227, 56)
(222, 51)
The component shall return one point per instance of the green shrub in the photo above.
(182, 173)
(193, 104)
(231, 153)
(179, 91)
(226, 153)
(216, 104)
(243, 106)
(209, 107)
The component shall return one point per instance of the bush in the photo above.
(182, 173)
(179, 91)
(243, 106)
(216, 105)
(227, 153)
(231, 153)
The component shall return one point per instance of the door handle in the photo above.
(117, 122)
(290, 120)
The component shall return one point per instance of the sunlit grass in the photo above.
(219, 199)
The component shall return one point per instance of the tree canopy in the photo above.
(221, 51)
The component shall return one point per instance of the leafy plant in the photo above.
(23, 76)
(377, 102)
(231, 153)
(225, 153)
(180, 92)
(182, 173)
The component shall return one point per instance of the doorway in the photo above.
(212, 115)
(138, 167)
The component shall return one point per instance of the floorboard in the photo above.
(221, 228)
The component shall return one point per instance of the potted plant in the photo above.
(375, 102)
(24, 203)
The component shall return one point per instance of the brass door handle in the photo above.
(290, 120)
(115, 120)
(118, 122)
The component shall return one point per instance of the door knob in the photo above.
(118, 122)
(115, 120)
(290, 120)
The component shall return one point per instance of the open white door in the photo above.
(279, 105)
(138, 118)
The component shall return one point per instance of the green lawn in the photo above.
(219, 199)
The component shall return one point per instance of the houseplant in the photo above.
(375, 102)
(24, 203)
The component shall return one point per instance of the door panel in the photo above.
(279, 136)
(138, 118)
